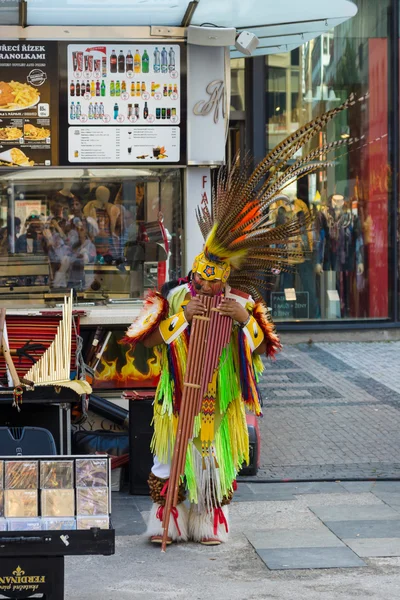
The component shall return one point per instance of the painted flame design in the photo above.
(128, 375)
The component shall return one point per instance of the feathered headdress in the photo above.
(239, 232)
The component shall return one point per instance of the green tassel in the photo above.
(190, 475)
(228, 387)
(227, 469)
(258, 366)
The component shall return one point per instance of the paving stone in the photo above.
(269, 489)
(293, 538)
(374, 547)
(365, 529)
(392, 500)
(358, 487)
(354, 513)
(310, 558)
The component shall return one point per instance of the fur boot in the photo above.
(178, 524)
(209, 527)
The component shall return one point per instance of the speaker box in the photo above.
(211, 36)
(140, 434)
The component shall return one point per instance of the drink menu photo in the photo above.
(124, 103)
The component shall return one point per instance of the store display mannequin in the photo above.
(106, 216)
(341, 249)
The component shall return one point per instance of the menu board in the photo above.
(124, 103)
(28, 111)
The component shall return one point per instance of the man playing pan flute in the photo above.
(242, 243)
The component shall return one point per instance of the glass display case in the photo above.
(106, 233)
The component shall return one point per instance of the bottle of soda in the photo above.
(112, 88)
(157, 61)
(133, 91)
(104, 66)
(88, 87)
(117, 88)
(92, 88)
(72, 111)
(164, 61)
(78, 88)
(129, 61)
(72, 89)
(145, 111)
(143, 88)
(136, 62)
(170, 89)
(103, 88)
(123, 86)
(171, 63)
(165, 90)
(97, 88)
(121, 62)
(83, 88)
(145, 62)
(138, 88)
(113, 62)
(116, 110)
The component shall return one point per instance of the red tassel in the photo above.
(219, 519)
(234, 485)
(164, 490)
(174, 513)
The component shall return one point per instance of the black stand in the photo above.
(25, 576)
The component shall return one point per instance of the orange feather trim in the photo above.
(263, 318)
(155, 310)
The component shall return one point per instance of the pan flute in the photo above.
(209, 335)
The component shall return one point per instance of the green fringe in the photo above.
(228, 387)
(227, 469)
(190, 475)
(164, 393)
(258, 366)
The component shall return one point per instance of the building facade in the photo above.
(351, 276)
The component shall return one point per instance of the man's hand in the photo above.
(231, 308)
(194, 307)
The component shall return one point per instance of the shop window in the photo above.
(346, 275)
(106, 235)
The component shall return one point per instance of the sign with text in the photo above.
(290, 309)
(206, 105)
(28, 103)
(129, 96)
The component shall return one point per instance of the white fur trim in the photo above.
(201, 525)
(154, 525)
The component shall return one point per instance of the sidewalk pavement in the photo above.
(289, 541)
(331, 411)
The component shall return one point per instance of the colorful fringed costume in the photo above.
(242, 243)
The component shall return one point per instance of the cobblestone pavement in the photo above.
(332, 411)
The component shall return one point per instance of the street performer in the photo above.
(242, 243)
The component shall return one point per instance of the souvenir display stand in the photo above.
(53, 507)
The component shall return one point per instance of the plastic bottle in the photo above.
(117, 88)
(145, 111)
(121, 62)
(97, 88)
(90, 110)
(164, 61)
(136, 62)
(129, 61)
(113, 62)
(112, 88)
(78, 110)
(171, 63)
(157, 61)
(103, 88)
(116, 110)
(145, 62)
(72, 111)
(92, 88)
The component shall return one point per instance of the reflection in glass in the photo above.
(103, 235)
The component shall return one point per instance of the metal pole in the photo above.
(394, 155)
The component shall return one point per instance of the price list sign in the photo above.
(128, 86)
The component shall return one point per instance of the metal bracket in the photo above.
(166, 32)
(23, 13)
